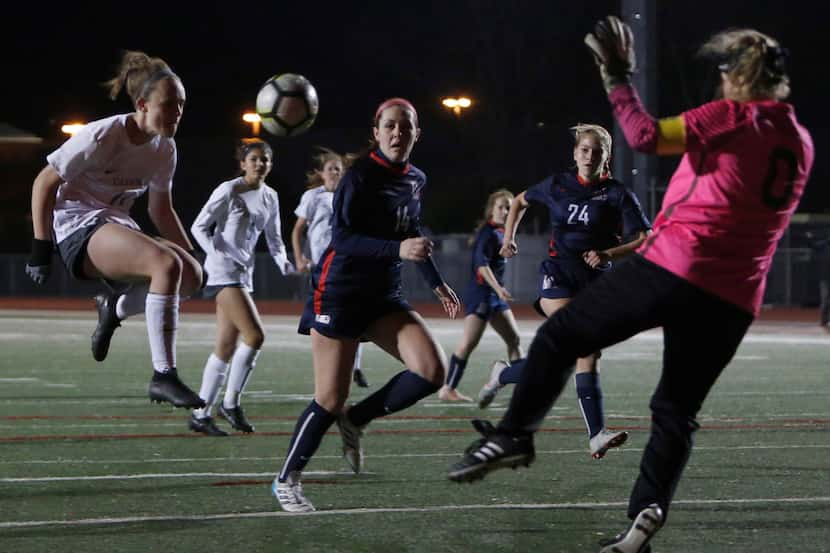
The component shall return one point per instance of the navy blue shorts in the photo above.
(348, 320)
(563, 278)
(483, 302)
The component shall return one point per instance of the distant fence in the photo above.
(793, 280)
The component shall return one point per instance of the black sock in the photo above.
(403, 390)
(308, 433)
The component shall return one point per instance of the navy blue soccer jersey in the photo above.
(376, 206)
(587, 216)
(486, 248)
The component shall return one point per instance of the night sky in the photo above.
(523, 63)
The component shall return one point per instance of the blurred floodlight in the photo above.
(72, 128)
(456, 104)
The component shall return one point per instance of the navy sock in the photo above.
(512, 373)
(457, 366)
(404, 389)
(308, 433)
(590, 401)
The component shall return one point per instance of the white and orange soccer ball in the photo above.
(287, 104)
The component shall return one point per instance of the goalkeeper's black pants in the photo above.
(701, 333)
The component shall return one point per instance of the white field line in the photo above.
(277, 460)
(265, 396)
(620, 419)
(285, 326)
(776, 501)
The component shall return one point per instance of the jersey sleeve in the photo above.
(273, 237)
(344, 239)
(706, 125)
(483, 248)
(428, 269)
(82, 151)
(162, 181)
(634, 220)
(304, 207)
(215, 209)
(540, 192)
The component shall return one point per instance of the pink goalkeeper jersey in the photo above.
(732, 196)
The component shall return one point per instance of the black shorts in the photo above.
(72, 250)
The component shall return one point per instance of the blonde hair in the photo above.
(488, 209)
(139, 74)
(315, 177)
(754, 62)
(602, 135)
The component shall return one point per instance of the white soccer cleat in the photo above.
(350, 435)
(488, 392)
(636, 538)
(290, 494)
(604, 440)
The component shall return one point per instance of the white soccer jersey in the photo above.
(229, 226)
(103, 174)
(316, 208)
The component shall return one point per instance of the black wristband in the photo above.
(41, 253)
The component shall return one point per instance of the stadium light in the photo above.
(457, 104)
(72, 128)
(254, 119)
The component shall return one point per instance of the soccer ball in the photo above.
(287, 104)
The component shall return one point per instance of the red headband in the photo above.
(396, 102)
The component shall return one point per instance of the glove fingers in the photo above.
(603, 32)
(596, 48)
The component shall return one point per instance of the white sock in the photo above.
(242, 364)
(357, 355)
(162, 314)
(132, 302)
(213, 377)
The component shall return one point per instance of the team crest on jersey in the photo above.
(322, 319)
(600, 195)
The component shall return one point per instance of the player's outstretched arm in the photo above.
(514, 216)
(612, 45)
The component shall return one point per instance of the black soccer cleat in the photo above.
(636, 538)
(494, 450)
(205, 425)
(167, 387)
(236, 418)
(360, 379)
(108, 321)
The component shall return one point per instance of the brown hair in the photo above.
(138, 74)
(314, 177)
(755, 63)
(373, 144)
(247, 144)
